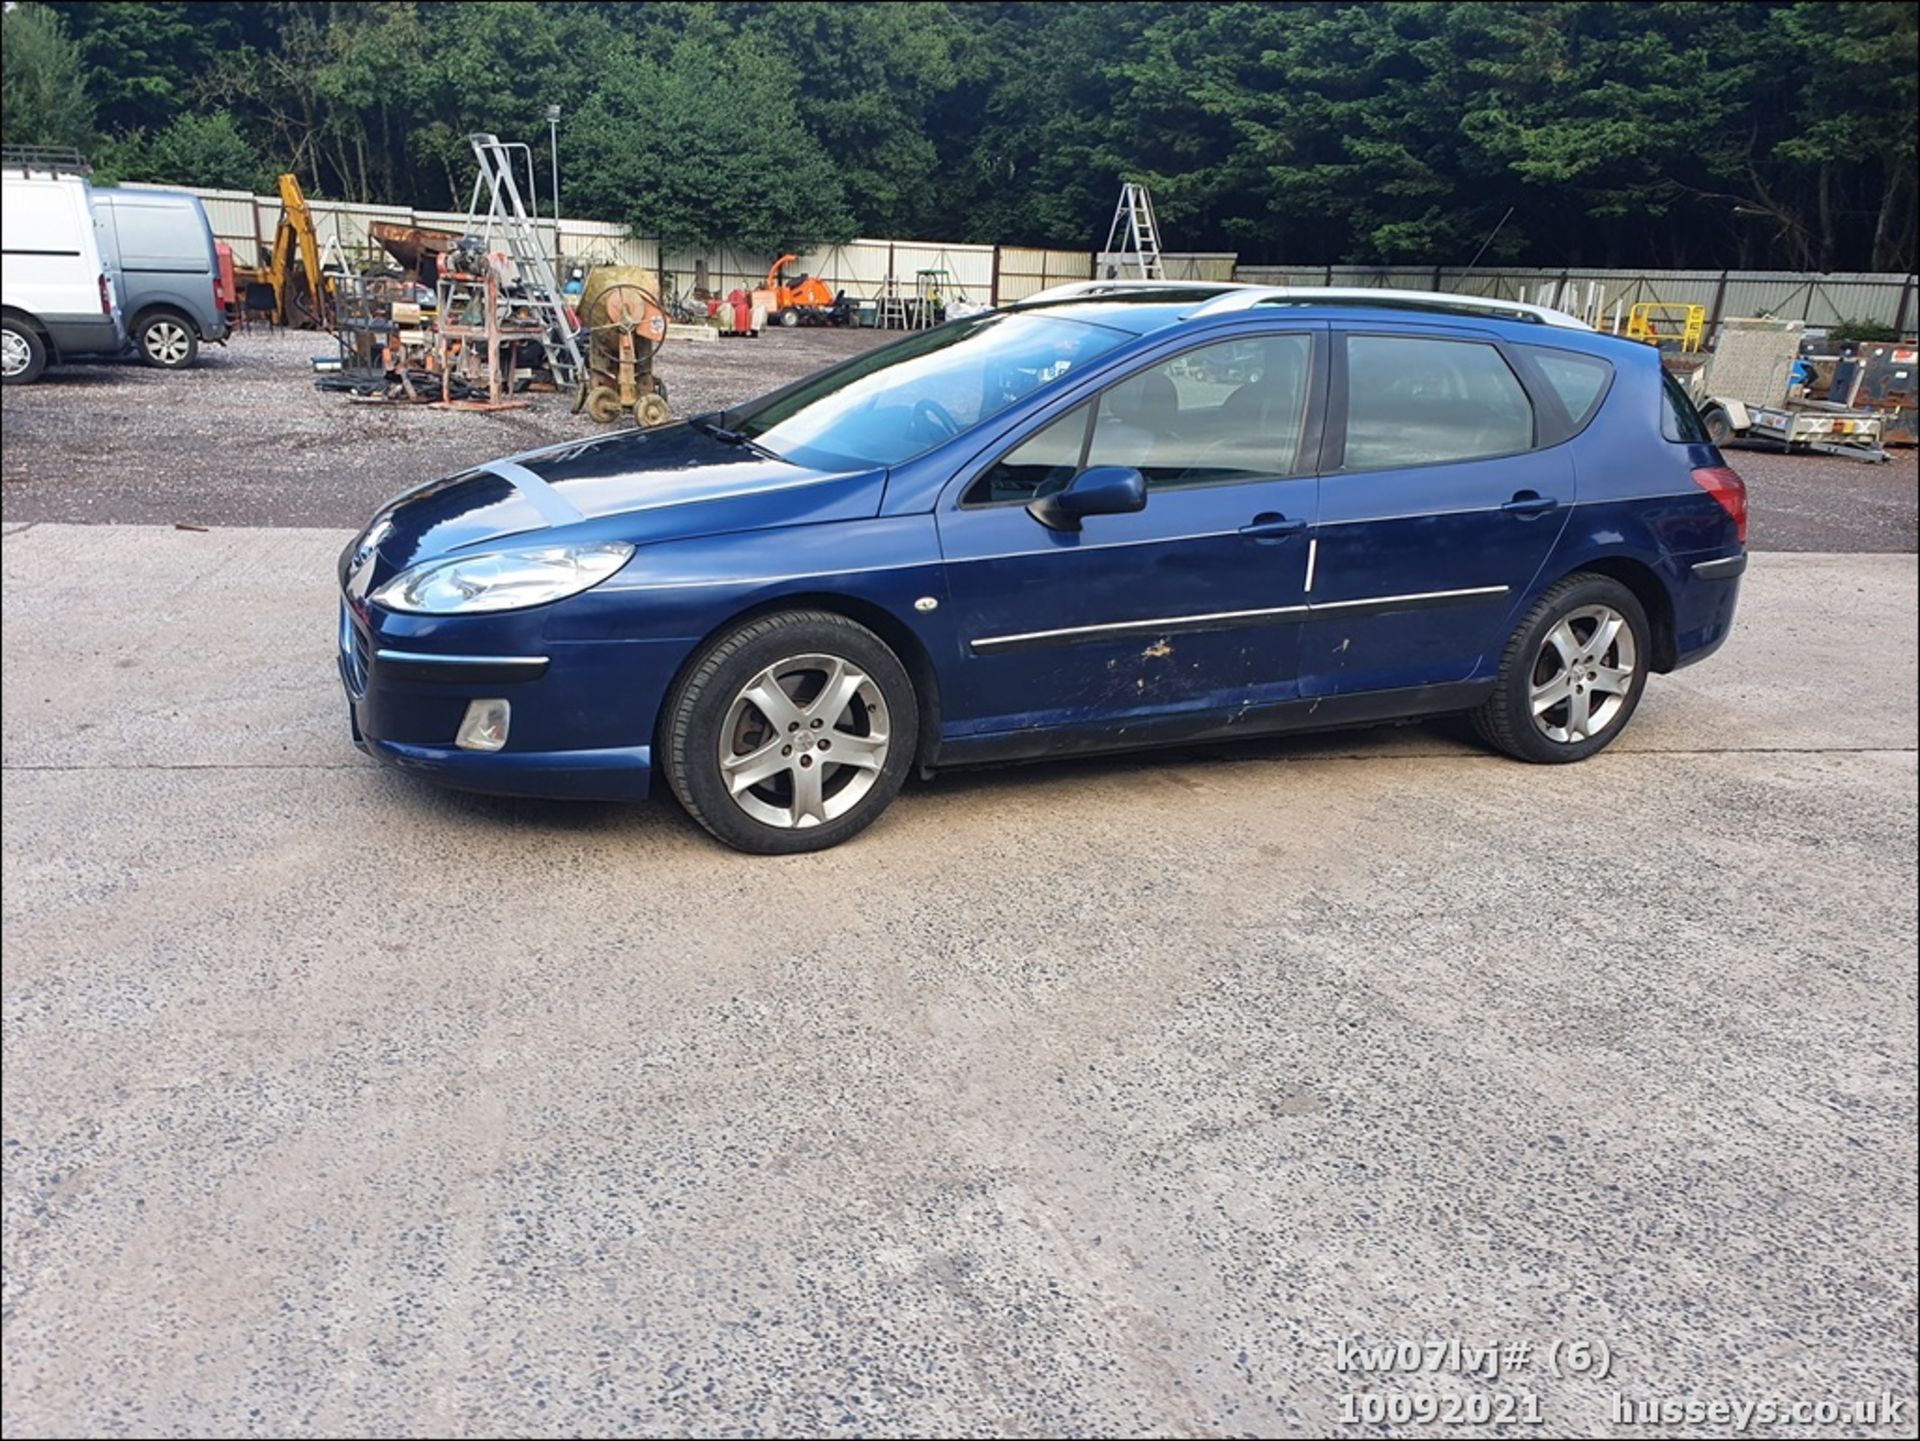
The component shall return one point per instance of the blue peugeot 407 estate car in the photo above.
(1113, 516)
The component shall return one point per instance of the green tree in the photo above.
(704, 146)
(868, 77)
(1775, 133)
(1851, 145)
(207, 150)
(43, 94)
(146, 61)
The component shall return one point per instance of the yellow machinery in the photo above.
(1658, 323)
(301, 296)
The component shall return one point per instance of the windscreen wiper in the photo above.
(707, 425)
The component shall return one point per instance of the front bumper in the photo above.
(582, 711)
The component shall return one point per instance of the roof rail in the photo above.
(1129, 285)
(1246, 297)
(52, 159)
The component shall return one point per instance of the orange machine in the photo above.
(807, 300)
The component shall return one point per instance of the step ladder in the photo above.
(505, 216)
(1133, 238)
(894, 313)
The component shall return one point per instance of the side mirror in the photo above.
(1098, 490)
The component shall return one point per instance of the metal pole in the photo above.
(553, 141)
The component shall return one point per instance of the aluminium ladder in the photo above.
(508, 214)
(1134, 225)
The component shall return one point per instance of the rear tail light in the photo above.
(106, 295)
(1724, 484)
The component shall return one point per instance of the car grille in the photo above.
(355, 653)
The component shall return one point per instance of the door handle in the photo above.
(1529, 503)
(1271, 526)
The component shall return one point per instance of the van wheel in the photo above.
(1572, 675)
(23, 354)
(790, 734)
(167, 342)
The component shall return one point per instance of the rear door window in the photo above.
(1423, 400)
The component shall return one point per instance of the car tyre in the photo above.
(1572, 674)
(167, 342)
(25, 353)
(790, 733)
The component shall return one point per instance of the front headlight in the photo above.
(501, 579)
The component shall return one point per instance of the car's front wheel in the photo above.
(791, 733)
(1572, 674)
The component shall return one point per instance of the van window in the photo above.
(160, 237)
(40, 218)
(1418, 400)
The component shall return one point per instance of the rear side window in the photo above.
(1578, 380)
(1416, 400)
(1679, 421)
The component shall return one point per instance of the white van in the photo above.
(57, 297)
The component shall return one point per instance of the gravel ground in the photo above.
(123, 444)
(246, 439)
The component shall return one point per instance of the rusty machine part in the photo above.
(482, 332)
(415, 246)
(625, 322)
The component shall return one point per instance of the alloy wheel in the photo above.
(166, 342)
(1584, 674)
(804, 741)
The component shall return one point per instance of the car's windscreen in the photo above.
(890, 405)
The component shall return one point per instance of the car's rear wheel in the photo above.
(168, 342)
(791, 733)
(23, 354)
(1572, 674)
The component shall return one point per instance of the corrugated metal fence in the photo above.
(998, 275)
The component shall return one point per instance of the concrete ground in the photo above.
(1103, 1098)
